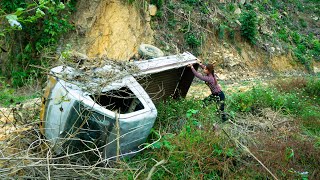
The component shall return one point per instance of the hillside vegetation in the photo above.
(273, 28)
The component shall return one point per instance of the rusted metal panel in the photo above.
(161, 85)
(166, 76)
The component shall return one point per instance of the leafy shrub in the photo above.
(296, 37)
(231, 7)
(158, 3)
(221, 31)
(316, 45)
(42, 27)
(283, 35)
(204, 8)
(302, 55)
(192, 40)
(303, 23)
(248, 22)
(315, 51)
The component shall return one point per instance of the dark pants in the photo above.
(219, 99)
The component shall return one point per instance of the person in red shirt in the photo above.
(210, 79)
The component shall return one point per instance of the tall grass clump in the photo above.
(188, 144)
(299, 97)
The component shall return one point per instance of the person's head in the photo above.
(208, 69)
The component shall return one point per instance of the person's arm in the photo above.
(200, 63)
(198, 75)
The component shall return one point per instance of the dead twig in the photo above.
(245, 148)
(155, 167)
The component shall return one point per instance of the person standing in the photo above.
(211, 81)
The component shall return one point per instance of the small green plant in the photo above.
(283, 35)
(190, 112)
(296, 38)
(205, 8)
(289, 153)
(315, 51)
(158, 3)
(231, 35)
(192, 40)
(164, 142)
(221, 31)
(231, 7)
(8, 96)
(303, 23)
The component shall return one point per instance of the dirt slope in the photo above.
(109, 28)
(115, 29)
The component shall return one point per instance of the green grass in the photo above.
(192, 150)
(183, 136)
(9, 96)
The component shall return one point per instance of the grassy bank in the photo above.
(274, 132)
(278, 125)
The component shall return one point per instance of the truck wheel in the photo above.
(149, 51)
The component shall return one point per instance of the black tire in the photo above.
(149, 51)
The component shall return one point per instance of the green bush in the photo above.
(158, 3)
(296, 37)
(221, 31)
(192, 40)
(248, 22)
(303, 23)
(194, 142)
(283, 35)
(231, 7)
(315, 51)
(43, 24)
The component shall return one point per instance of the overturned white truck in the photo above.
(116, 120)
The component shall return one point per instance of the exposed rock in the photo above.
(285, 13)
(112, 29)
(152, 10)
(264, 30)
(237, 11)
(272, 49)
(238, 22)
(229, 60)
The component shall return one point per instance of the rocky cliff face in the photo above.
(114, 29)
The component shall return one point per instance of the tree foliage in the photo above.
(28, 28)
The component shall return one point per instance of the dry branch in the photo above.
(153, 169)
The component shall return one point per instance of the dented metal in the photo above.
(119, 118)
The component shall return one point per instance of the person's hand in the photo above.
(199, 61)
(189, 65)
